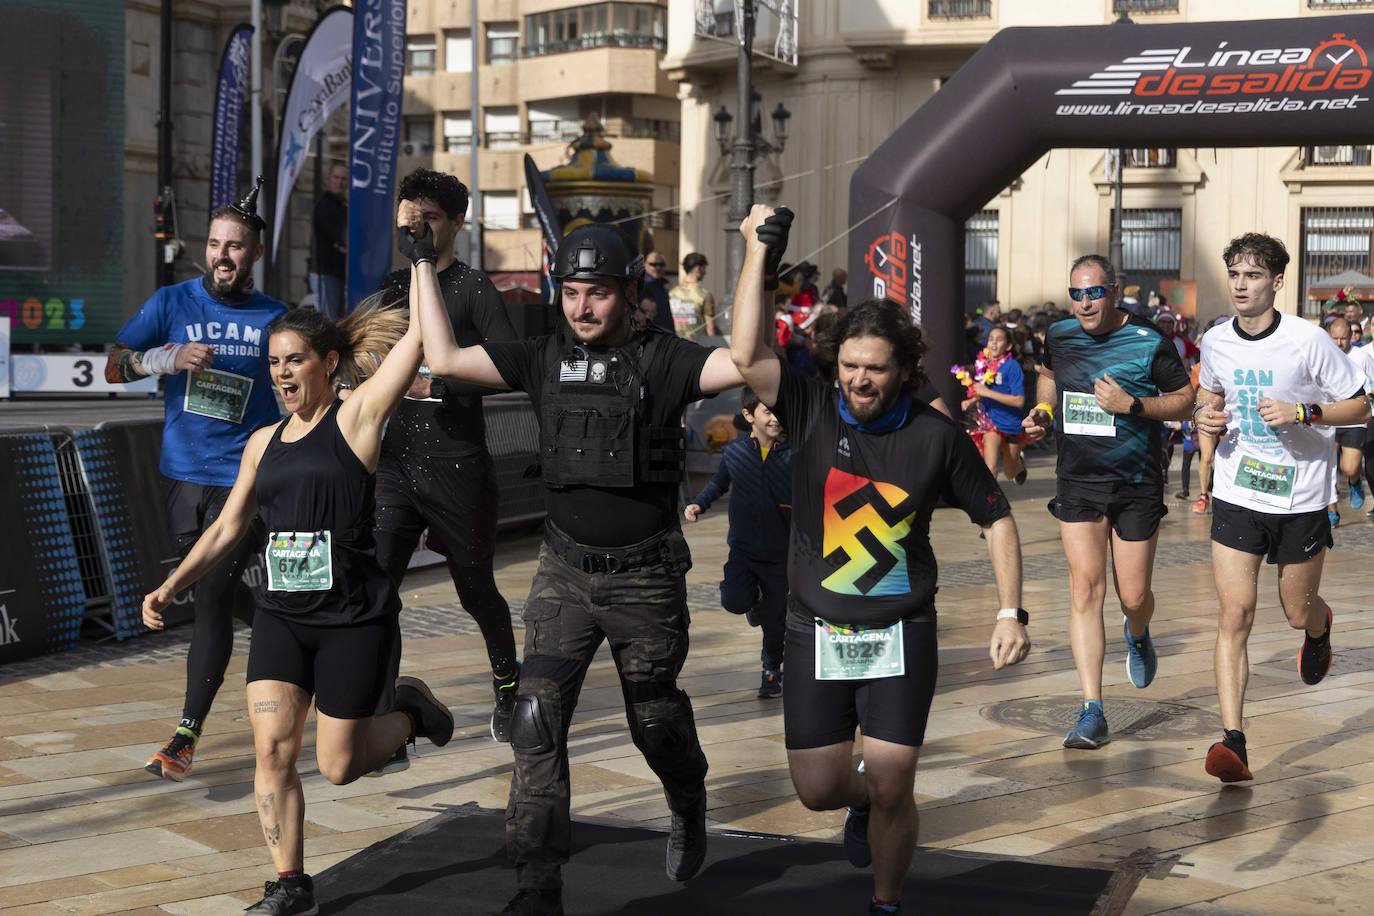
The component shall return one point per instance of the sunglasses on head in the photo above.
(1092, 292)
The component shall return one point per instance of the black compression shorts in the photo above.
(454, 497)
(346, 668)
(822, 713)
(1133, 509)
(1351, 438)
(1278, 538)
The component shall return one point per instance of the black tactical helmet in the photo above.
(596, 252)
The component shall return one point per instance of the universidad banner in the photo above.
(231, 96)
(319, 86)
(379, 51)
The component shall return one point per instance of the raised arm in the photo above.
(765, 239)
(444, 356)
(369, 407)
(223, 534)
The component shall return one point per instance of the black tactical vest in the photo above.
(594, 420)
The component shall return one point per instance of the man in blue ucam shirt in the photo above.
(208, 337)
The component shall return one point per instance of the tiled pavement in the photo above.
(84, 830)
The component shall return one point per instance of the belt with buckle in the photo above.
(608, 560)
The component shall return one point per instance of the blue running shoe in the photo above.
(1356, 496)
(1333, 517)
(856, 838)
(1091, 731)
(1141, 660)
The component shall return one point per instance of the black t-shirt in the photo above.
(612, 516)
(330, 222)
(861, 505)
(1104, 448)
(452, 425)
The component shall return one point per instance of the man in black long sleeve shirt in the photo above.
(329, 254)
(435, 471)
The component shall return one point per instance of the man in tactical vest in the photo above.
(609, 396)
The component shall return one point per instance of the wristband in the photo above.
(161, 360)
(1300, 410)
(1014, 613)
(1047, 408)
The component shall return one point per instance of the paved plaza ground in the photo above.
(84, 830)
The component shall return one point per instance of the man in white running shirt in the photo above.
(1271, 388)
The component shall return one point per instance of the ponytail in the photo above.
(362, 339)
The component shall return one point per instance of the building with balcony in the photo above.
(543, 68)
(864, 66)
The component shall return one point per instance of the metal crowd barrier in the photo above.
(85, 534)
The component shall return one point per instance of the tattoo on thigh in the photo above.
(265, 707)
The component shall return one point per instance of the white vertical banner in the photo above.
(321, 83)
(4, 357)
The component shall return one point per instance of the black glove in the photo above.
(417, 250)
(773, 233)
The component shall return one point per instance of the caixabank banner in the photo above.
(61, 190)
(1288, 82)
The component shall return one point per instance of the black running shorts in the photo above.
(1351, 438)
(822, 713)
(455, 497)
(1133, 509)
(346, 668)
(1278, 538)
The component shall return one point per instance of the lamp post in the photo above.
(744, 148)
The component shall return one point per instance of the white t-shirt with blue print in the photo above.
(1290, 469)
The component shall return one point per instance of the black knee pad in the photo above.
(664, 726)
(535, 727)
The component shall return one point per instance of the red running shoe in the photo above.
(1226, 760)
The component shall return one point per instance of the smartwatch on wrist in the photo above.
(1014, 613)
(1137, 406)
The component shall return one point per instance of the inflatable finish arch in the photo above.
(1293, 82)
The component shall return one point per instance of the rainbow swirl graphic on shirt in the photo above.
(865, 522)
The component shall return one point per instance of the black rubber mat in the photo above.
(456, 863)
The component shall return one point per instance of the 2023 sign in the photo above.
(53, 314)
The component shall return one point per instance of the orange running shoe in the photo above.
(1204, 502)
(174, 760)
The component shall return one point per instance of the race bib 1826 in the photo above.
(845, 653)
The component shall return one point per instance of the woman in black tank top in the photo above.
(327, 616)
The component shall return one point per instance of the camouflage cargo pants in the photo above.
(643, 614)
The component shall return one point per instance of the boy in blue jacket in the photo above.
(755, 580)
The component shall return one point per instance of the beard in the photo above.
(871, 411)
(240, 282)
(604, 332)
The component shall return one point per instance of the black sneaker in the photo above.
(431, 719)
(770, 687)
(1314, 658)
(856, 847)
(1227, 760)
(399, 761)
(287, 897)
(504, 709)
(1020, 477)
(751, 617)
(687, 841)
(547, 902)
